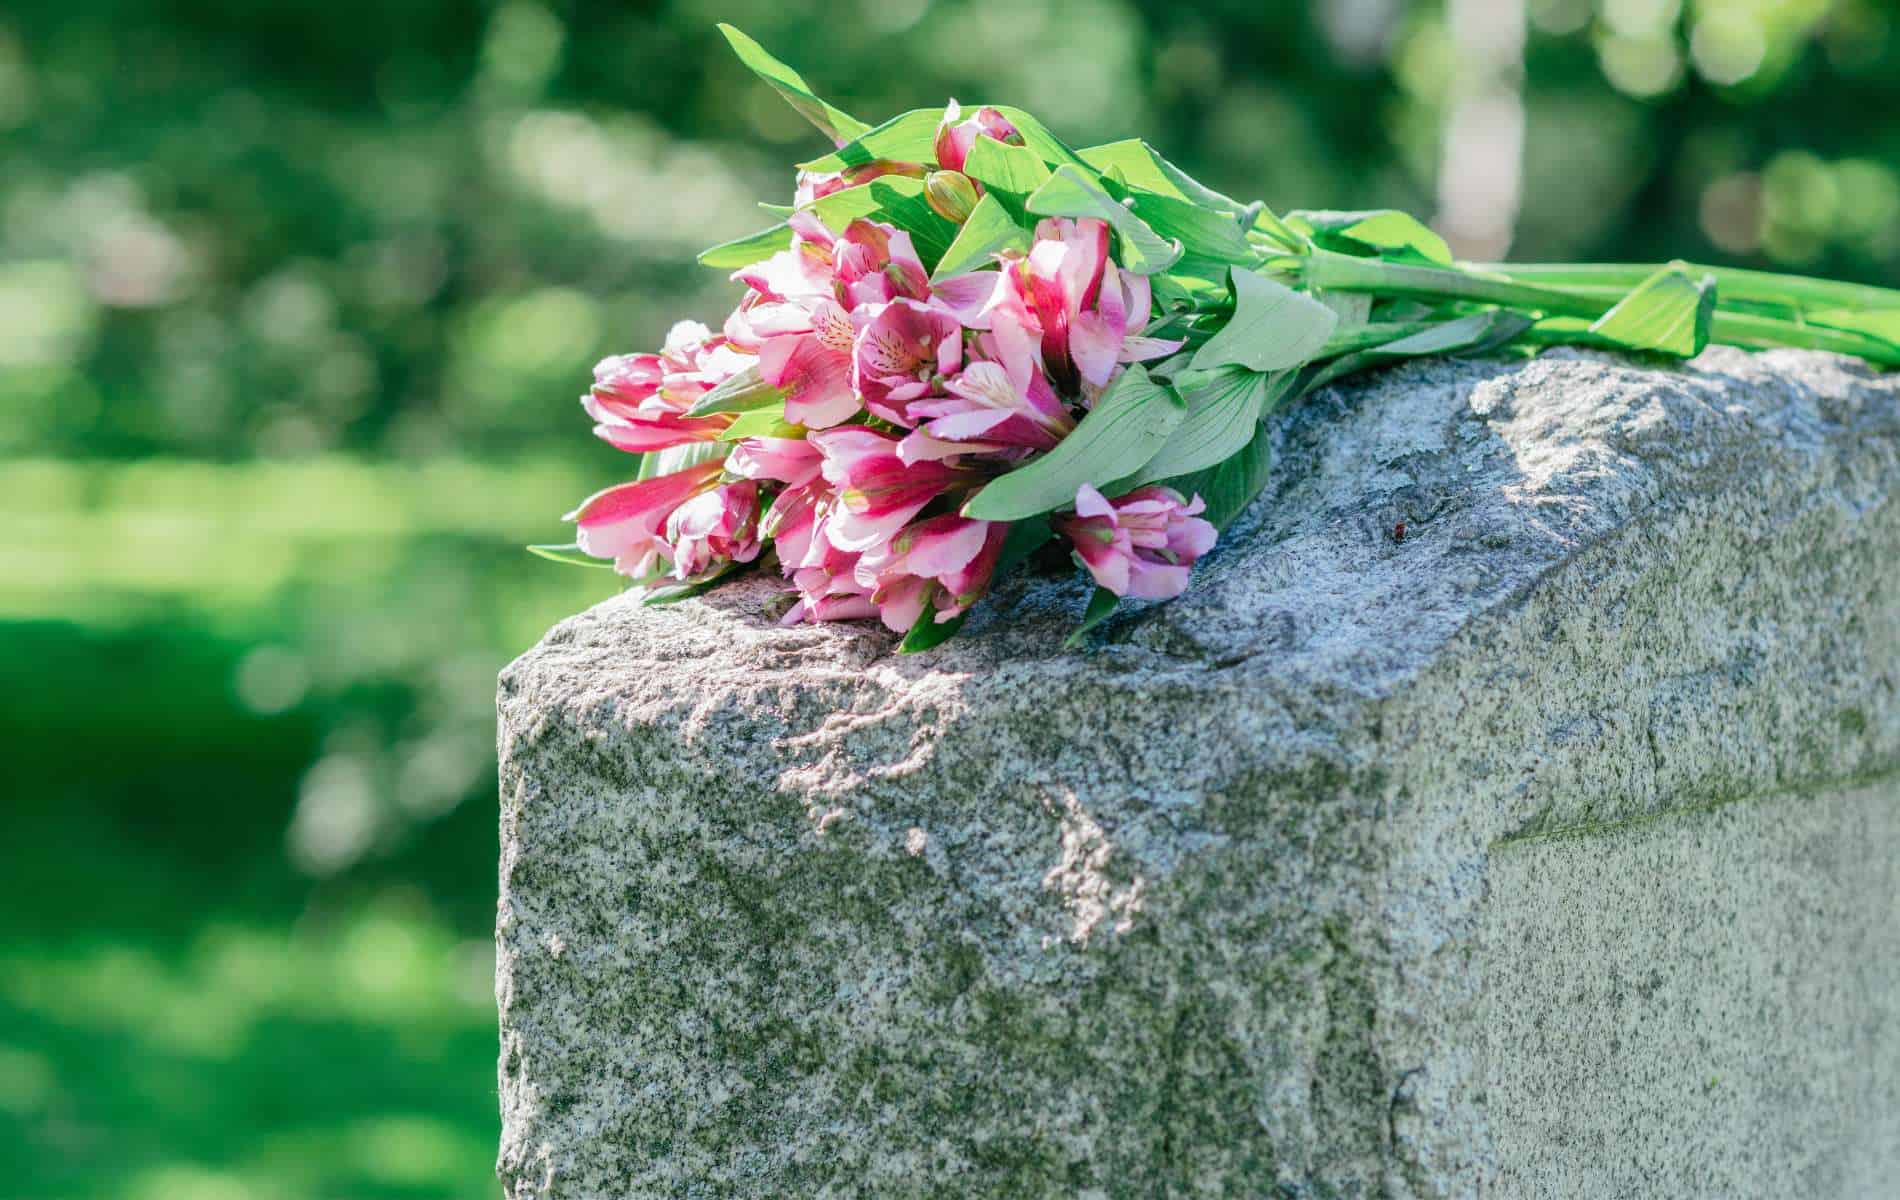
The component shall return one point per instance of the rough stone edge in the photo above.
(1427, 1112)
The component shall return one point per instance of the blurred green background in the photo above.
(295, 302)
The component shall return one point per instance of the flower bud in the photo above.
(955, 134)
(950, 195)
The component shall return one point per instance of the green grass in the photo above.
(252, 1059)
(184, 1011)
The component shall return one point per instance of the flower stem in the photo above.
(1755, 310)
(1371, 337)
(1325, 270)
(1766, 333)
(1731, 284)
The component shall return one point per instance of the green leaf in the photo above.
(908, 137)
(1883, 324)
(897, 200)
(928, 631)
(1069, 192)
(1210, 272)
(846, 205)
(1172, 294)
(838, 125)
(763, 422)
(1474, 333)
(1129, 424)
(1398, 236)
(754, 247)
(1140, 166)
(906, 208)
(1230, 486)
(988, 230)
(740, 393)
(1223, 409)
(1024, 538)
(1101, 606)
(1289, 238)
(1203, 233)
(1390, 231)
(1353, 308)
(1198, 192)
(678, 458)
(1273, 327)
(1037, 137)
(1880, 323)
(572, 555)
(999, 165)
(1669, 312)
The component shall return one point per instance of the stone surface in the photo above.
(1553, 850)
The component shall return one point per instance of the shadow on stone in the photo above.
(1549, 850)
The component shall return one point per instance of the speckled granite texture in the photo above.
(1553, 851)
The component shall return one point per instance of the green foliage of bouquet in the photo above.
(964, 340)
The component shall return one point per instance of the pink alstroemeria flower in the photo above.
(716, 527)
(799, 316)
(627, 523)
(825, 595)
(877, 491)
(795, 520)
(815, 185)
(1059, 280)
(806, 270)
(1087, 312)
(804, 348)
(827, 585)
(956, 134)
(796, 523)
(969, 298)
(904, 353)
(792, 320)
(820, 573)
(639, 401)
(877, 263)
(943, 563)
(1142, 544)
(1116, 325)
(790, 461)
(870, 263)
(1002, 403)
(1110, 333)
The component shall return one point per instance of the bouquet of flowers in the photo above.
(964, 340)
